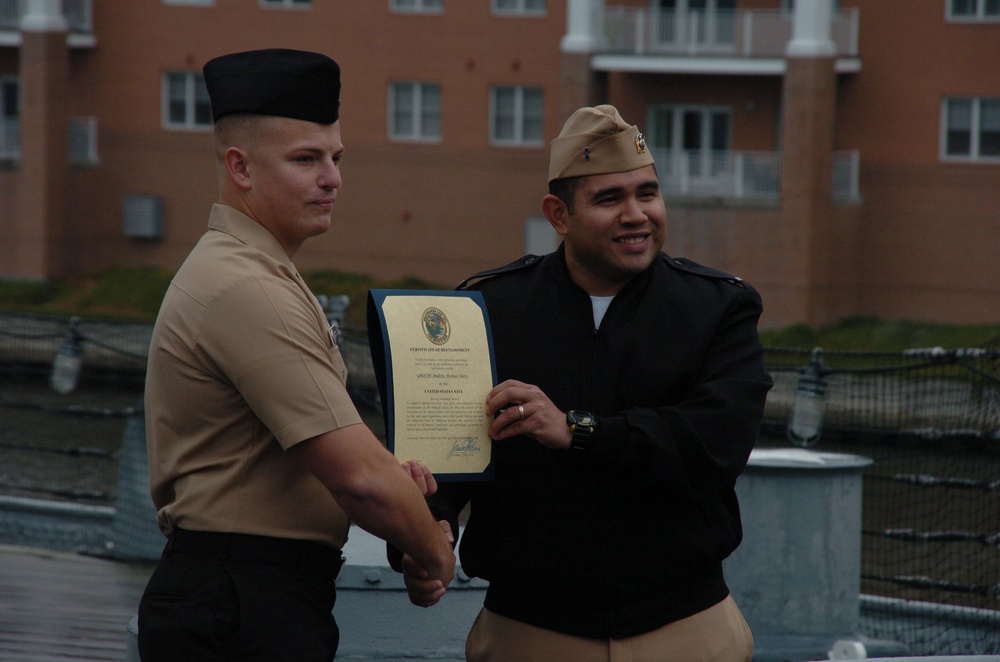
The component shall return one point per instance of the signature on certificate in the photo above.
(464, 448)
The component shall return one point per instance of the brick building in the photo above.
(842, 155)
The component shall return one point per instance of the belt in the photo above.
(305, 555)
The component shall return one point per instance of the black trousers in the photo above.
(215, 597)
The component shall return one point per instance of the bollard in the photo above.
(797, 575)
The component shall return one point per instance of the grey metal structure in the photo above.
(797, 574)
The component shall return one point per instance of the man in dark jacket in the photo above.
(632, 387)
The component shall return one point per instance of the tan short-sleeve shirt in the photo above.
(241, 367)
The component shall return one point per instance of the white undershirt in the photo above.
(600, 305)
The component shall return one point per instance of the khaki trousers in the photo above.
(717, 634)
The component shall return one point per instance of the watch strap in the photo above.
(582, 425)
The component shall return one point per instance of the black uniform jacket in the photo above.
(629, 534)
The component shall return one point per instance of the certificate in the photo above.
(433, 357)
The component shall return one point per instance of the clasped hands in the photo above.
(423, 590)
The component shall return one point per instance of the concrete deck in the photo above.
(59, 606)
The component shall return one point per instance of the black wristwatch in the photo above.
(583, 424)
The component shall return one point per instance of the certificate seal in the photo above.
(436, 326)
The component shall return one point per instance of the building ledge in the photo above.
(739, 66)
(76, 40)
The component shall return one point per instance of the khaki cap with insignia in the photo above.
(597, 141)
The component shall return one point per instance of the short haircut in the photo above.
(236, 129)
(565, 189)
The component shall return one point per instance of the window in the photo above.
(516, 115)
(415, 111)
(696, 138)
(973, 10)
(699, 24)
(286, 3)
(971, 128)
(10, 141)
(519, 7)
(417, 6)
(185, 101)
(540, 237)
(9, 104)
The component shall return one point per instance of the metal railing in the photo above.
(928, 418)
(743, 175)
(725, 174)
(79, 15)
(740, 33)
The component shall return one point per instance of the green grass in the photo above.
(128, 294)
(871, 334)
(135, 294)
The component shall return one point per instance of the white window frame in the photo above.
(418, 112)
(190, 3)
(416, 6)
(519, 119)
(983, 11)
(518, 7)
(285, 4)
(192, 96)
(975, 129)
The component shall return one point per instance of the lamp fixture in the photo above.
(809, 407)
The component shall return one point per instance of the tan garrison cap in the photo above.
(597, 141)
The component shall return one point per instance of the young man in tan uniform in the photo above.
(258, 458)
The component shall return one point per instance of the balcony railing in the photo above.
(79, 14)
(741, 33)
(82, 140)
(719, 174)
(743, 175)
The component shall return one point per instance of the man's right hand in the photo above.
(381, 496)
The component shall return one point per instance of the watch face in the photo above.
(582, 419)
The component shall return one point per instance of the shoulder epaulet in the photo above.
(683, 264)
(520, 263)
